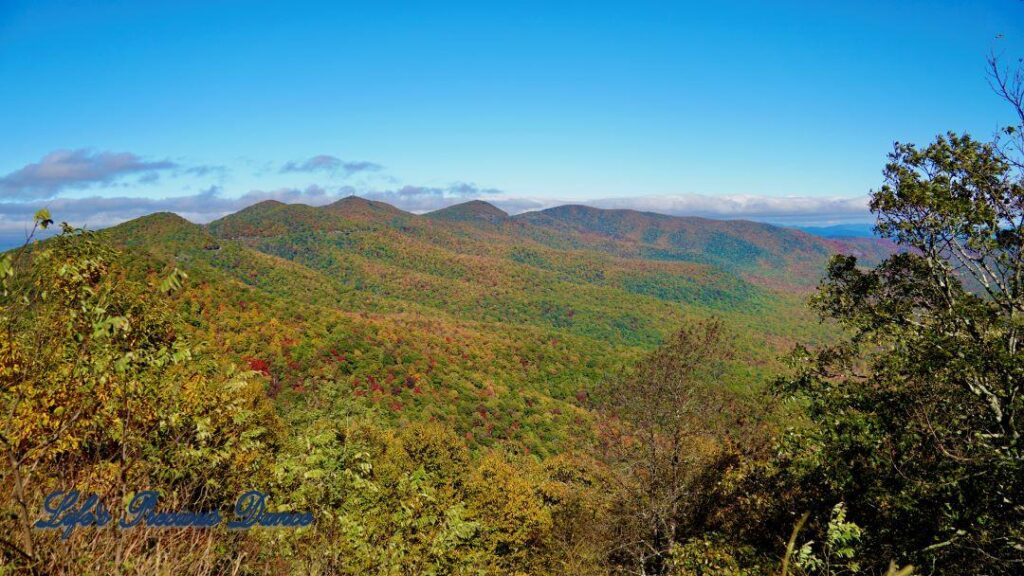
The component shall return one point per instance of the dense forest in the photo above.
(568, 391)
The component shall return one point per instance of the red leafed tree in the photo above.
(258, 365)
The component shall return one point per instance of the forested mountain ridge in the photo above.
(756, 250)
(214, 363)
(559, 267)
(472, 211)
(569, 391)
(498, 325)
(752, 248)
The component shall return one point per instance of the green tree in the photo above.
(99, 393)
(918, 411)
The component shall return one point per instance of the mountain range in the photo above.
(495, 324)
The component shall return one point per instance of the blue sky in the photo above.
(779, 111)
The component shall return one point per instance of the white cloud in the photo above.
(748, 207)
(331, 165)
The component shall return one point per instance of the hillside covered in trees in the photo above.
(497, 326)
(568, 391)
(478, 333)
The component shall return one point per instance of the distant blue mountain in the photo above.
(11, 240)
(860, 230)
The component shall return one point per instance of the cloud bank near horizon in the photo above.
(82, 168)
(747, 207)
(102, 211)
(46, 182)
